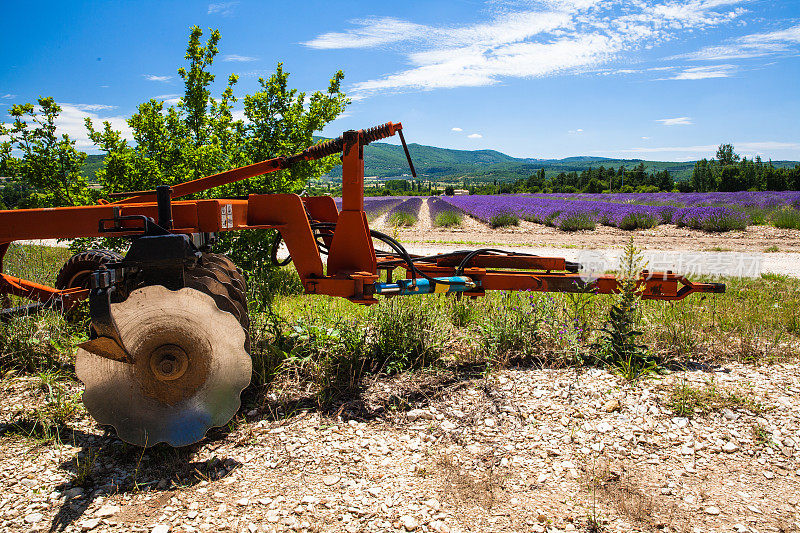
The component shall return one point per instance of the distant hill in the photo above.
(388, 160)
(92, 164)
(445, 164)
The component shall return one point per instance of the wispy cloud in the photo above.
(703, 73)
(170, 99)
(91, 107)
(238, 58)
(575, 132)
(456, 129)
(8, 96)
(530, 39)
(153, 77)
(749, 46)
(225, 9)
(475, 136)
(677, 121)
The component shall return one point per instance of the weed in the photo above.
(36, 343)
(463, 311)
(762, 436)
(618, 347)
(771, 249)
(512, 332)
(84, 466)
(405, 333)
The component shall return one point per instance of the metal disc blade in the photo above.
(189, 368)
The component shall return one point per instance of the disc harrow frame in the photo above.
(172, 239)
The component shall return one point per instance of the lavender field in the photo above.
(716, 212)
(703, 211)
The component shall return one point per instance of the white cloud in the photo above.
(645, 138)
(91, 107)
(238, 58)
(540, 38)
(475, 136)
(225, 9)
(71, 121)
(677, 121)
(170, 99)
(456, 129)
(749, 46)
(153, 77)
(8, 96)
(703, 73)
(575, 132)
(372, 32)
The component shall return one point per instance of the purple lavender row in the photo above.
(584, 214)
(437, 206)
(410, 207)
(750, 199)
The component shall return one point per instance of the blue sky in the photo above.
(662, 79)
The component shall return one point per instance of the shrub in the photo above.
(447, 219)
(786, 218)
(577, 222)
(504, 219)
(634, 221)
(725, 221)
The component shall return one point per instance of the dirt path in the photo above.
(521, 450)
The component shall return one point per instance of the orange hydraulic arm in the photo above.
(311, 228)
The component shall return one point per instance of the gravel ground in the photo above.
(519, 450)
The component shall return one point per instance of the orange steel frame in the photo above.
(352, 264)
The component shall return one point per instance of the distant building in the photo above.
(458, 192)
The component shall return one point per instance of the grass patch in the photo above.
(504, 219)
(45, 423)
(401, 219)
(687, 400)
(328, 345)
(448, 219)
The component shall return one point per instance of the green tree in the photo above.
(48, 163)
(726, 155)
(200, 136)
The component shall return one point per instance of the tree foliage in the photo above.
(44, 162)
(730, 172)
(202, 135)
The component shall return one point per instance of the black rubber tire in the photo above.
(76, 271)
